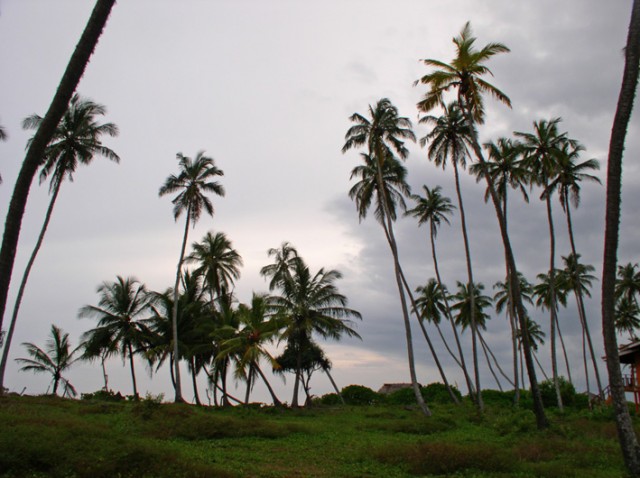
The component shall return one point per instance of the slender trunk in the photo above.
(274, 398)
(104, 373)
(388, 228)
(538, 407)
(296, 385)
(247, 394)
(56, 381)
(223, 381)
(471, 288)
(23, 283)
(564, 351)
(133, 372)
(333, 384)
(511, 312)
(552, 300)
(461, 361)
(194, 381)
(586, 367)
(488, 350)
(535, 356)
(486, 356)
(174, 312)
(70, 79)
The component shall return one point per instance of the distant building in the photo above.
(388, 388)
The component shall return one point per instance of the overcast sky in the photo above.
(266, 89)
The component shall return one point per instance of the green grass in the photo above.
(49, 436)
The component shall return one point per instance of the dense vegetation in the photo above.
(98, 437)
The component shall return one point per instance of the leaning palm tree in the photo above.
(448, 142)
(383, 181)
(464, 77)
(122, 325)
(542, 150)
(192, 183)
(32, 161)
(77, 140)
(217, 262)
(435, 209)
(54, 359)
(308, 304)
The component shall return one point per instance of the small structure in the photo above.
(630, 355)
(388, 388)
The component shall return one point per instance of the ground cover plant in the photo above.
(51, 436)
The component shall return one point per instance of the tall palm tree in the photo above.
(578, 278)
(626, 434)
(308, 304)
(122, 325)
(464, 77)
(383, 180)
(448, 141)
(55, 359)
(217, 262)
(70, 79)
(542, 150)
(192, 183)
(248, 343)
(76, 140)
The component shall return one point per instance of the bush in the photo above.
(329, 399)
(437, 393)
(496, 397)
(104, 396)
(548, 392)
(360, 395)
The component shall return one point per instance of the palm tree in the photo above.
(578, 278)
(383, 180)
(310, 304)
(33, 159)
(464, 77)
(121, 325)
(218, 263)
(55, 359)
(542, 150)
(627, 317)
(449, 140)
(247, 344)
(76, 141)
(192, 183)
(626, 434)
(628, 282)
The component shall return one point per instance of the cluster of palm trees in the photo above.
(546, 160)
(216, 335)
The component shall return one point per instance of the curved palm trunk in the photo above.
(471, 289)
(462, 364)
(333, 384)
(538, 407)
(133, 372)
(274, 398)
(488, 350)
(23, 283)
(580, 299)
(388, 229)
(564, 352)
(535, 356)
(194, 381)
(174, 312)
(68, 83)
(552, 306)
(247, 394)
(104, 373)
(296, 385)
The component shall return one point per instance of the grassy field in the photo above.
(49, 436)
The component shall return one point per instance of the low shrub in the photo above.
(548, 393)
(360, 395)
(104, 396)
(329, 399)
(437, 393)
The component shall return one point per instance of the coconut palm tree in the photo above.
(383, 180)
(55, 359)
(464, 77)
(122, 325)
(309, 304)
(33, 159)
(448, 141)
(627, 317)
(626, 434)
(542, 150)
(248, 343)
(217, 262)
(283, 262)
(194, 181)
(628, 282)
(578, 278)
(77, 140)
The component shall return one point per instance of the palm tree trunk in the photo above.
(552, 300)
(274, 398)
(333, 383)
(194, 381)
(104, 373)
(485, 345)
(564, 350)
(133, 372)
(248, 392)
(462, 364)
(471, 288)
(486, 356)
(388, 229)
(68, 83)
(538, 407)
(296, 385)
(174, 312)
(540, 367)
(23, 283)
(511, 312)
(586, 367)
